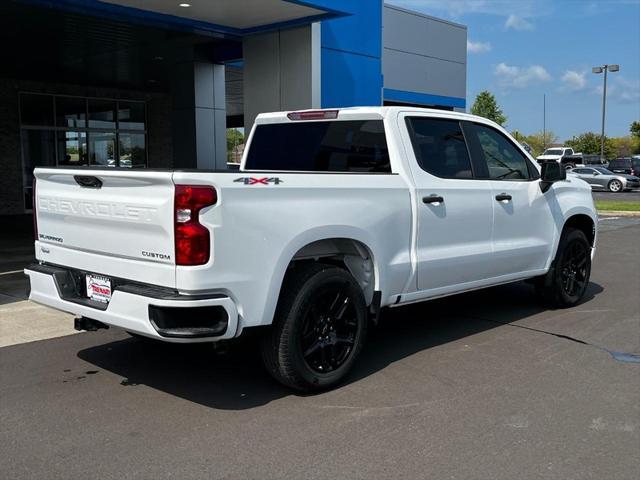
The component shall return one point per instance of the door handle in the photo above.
(88, 181)
(503, 197)
(433, 199)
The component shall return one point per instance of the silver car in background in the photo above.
(601, 178)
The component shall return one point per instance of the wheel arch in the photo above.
(351, 254)
(352, 247)
(584, 223)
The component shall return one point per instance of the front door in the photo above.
(523, 228)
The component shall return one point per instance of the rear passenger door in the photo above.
(523, 228)
(454, 209)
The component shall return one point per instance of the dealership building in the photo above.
(157, 83)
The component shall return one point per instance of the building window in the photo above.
(62, 130)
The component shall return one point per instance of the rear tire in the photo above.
(318, 330)
(615, 186)
(566, 282)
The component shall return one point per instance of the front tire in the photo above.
(615, 186)
(319, 328)
(565, 284)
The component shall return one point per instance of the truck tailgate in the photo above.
(117, 223)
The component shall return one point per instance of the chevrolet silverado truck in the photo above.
(333, 216)
(563, 155)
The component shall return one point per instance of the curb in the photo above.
(618, 213)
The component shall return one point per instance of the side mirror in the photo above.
(551, 172)
(595, 174)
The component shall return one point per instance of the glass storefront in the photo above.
(61, 130)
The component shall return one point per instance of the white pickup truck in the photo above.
(333, 215)
(564, 155)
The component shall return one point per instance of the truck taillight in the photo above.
(35, 210)
(191, 237)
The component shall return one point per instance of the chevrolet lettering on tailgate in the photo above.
(85, 208)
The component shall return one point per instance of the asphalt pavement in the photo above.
(631, 196)
(486, 385)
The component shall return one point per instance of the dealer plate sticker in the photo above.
(98, 288)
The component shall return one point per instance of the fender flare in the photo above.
(572, 212)
(305, 238)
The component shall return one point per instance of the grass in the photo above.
(613, 205)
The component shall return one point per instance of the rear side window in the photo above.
(504, 161)
(439, 147)
(337, 146)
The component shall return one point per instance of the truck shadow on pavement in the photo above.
(235, 379)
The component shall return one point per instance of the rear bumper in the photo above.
(151, 311)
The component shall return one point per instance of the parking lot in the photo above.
(487, 385)
(632, 196)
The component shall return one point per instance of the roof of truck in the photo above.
(366, 112)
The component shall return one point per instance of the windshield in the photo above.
(553, 151)
(604, 171)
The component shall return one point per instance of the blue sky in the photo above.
(522, 49)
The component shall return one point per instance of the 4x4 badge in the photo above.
(259, 181)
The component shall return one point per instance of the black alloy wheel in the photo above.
(329, 329)
(319, 327)
(566, 282)
(573, 271)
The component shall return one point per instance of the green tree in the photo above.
(517, 135)
(485, 105)
(624, 146)
(234, 138)
(539, 141)
(589, 144)
(635, 136)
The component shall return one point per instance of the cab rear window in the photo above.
(336, 146)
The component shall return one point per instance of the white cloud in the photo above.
(457, 8)
(510, 76)
(622, 90)
(598, 7)
(478, 47)
(518, 23)
(629, 90)
(574, 81)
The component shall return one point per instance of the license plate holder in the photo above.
(98, 288)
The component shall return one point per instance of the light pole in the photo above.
(605, 69)
(544, 122)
